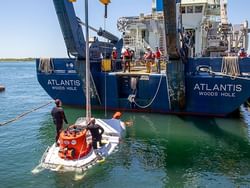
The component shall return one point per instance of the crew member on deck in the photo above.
(58, 116)
(114, 55)
(242, 53)
(158, 55)
(96, 132)
(126, 57)
(149, 58)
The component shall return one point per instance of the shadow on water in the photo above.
(168, 151)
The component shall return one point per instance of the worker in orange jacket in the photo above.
(158, 55)
(149, 58)
(114, 56)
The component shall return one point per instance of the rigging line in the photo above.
(149, 104)
(80, 152)
(230, 66)
(24, 114)
(105, 77)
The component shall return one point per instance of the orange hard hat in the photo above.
(117, 115)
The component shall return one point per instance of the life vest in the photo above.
(243, 54)
(114, 54)
(126, 55)
(158, 54)
(149, 55)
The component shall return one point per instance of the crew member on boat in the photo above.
(96, 132)
(58, 116)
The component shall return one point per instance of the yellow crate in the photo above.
(106, 65)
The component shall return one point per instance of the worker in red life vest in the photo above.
(149, 58)
(114, 56)
(158, 55)
(126, 57)
(242, 53)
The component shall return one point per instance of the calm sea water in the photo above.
(158, 150)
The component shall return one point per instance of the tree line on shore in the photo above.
(16, 59)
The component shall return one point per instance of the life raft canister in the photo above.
(73, 144)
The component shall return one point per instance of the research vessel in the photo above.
(201, 73)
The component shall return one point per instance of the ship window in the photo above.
(143, 34)
(190, 9)
(183, 10)
(198, 9)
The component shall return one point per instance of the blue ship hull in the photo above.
(205, 93)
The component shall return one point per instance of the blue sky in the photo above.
(29, 28)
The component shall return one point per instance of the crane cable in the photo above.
(24, 114)
(105, 57)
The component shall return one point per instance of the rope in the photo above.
(79, 154)
(230, 66)
(248, 103)
(149, 104)
(169, 102)
(24, 114)
(46, 65)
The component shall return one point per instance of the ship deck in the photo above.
(140, 69)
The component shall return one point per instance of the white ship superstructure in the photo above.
(143, 30)
(206, 29)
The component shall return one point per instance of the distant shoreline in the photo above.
(16, 59)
